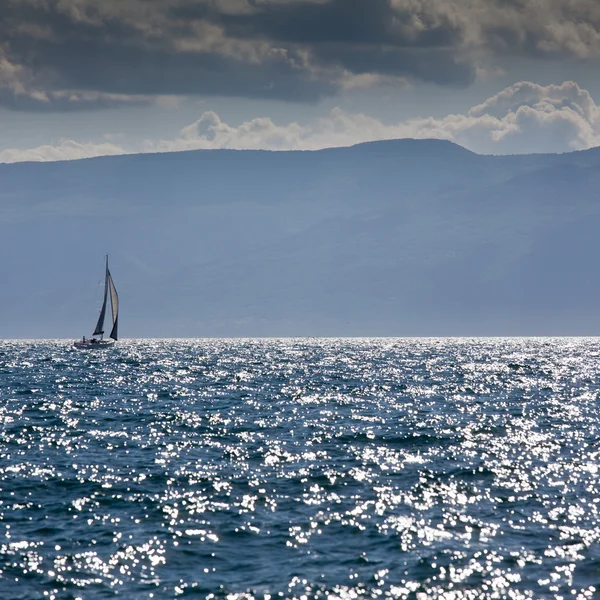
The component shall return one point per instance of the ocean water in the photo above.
(301, 468)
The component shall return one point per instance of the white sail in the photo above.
(114, 305)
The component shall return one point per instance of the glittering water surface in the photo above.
(301, 469)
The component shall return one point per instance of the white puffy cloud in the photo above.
(534, 118)
(523, 118)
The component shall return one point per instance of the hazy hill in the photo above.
(399, 237)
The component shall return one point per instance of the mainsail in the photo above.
(114, 305)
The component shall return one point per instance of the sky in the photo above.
(82, 78)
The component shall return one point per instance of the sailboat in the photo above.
(97, 340)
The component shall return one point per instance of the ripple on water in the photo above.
(384, 468)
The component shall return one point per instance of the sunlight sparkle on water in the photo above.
(397, 468)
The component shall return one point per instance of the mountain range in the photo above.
(391, 238)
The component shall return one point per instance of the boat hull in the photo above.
(93, 345)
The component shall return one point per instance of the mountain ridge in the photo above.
(399, 237)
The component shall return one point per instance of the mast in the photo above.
(100, 324)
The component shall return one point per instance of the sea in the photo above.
(301, 468)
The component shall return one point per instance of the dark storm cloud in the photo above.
(429, 64)
(362, 37)
(58, 54)
(47, 51)
(303, 22)
(377, 22)
(128, 70)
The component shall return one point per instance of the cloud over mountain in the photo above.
(523, 118)
(73, 53)
(65, 150)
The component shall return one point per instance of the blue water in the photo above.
(239, 469)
